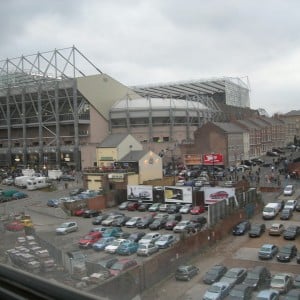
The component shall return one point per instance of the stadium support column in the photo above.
(76, 130)
(40, 120)
(57, 127)
(23, 119)
(8, 120)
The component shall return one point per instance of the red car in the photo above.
(132, 206)
(122, 265)
(196, 210)
(91, 238)
(171, 224)
(79, 212)
(14, 226)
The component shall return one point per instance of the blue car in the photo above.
(53, 203)
(19, 195)
(127, 247)
(102, 243)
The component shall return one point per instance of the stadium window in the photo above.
(166, 139)
(156, 139)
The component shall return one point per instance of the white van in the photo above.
(271, 210)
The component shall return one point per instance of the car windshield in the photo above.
(117, 266)
(88, 237)
(214, 289)
(142, 246)
(252, 275)
(163, 238)
(265, 249)
(231, 274)
(236, 293)
(64, 225)
(277, 281)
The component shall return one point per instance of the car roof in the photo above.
(267, 245)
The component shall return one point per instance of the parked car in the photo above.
(67, 177)
(79, 212)
(173, 208)
(281, 282)
(102, 243)
(267, 251)
(218, 290)
(258, 277)
(123, 205)
(154, 207)
(112, 232)
(186, 272)
(297, 208)
(112, 248)
(122, 265)
(144, 222)
(158, 223)
(214, 274)
(165, 241)
(88, 240)
(98, 220)
(292, 295)
(288, 190)
(132, 206)
(108, 221)
(185, 209)
(171, 223)
(241, 228)
(120, 221)
(19, 195)
(234, 276)
(146, 249)
(53, 202)
(268, 294)
(14, 226)
(184, 226)
(240, 292)
(132, 222)
(257, 230)
(136, 236)
(296, 282)
(291, 204)
(89, 213)
(163, 207)
(66, 227)
(286, 253)
(150, 237)
(201, 220)
(76, 191)
(144, 207)
(286, 214)
(198, 209)
(127, 248)
(276, 229)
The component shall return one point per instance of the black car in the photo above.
(286, 214)
(98, 220)
(240, 292)
(67, 177)
(291, 232)
(144, 222)
(241, 228)
(120, 221)
(286, 253)
(158, 223)
(214, 274)
(297, 208)
(198, 219)
(257, 230)
(89, 213)
(136, 236)
(144, 207)
(76, 191)
(258, 277)
(173, 208)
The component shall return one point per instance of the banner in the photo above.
(178, 194)
(213, 159)
(140, 193)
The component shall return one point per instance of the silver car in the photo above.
(146, 249)
(67, 227)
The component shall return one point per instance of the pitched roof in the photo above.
(134, 155)
(293, 113)
(229, 127)
(113, 140)
(248, 123)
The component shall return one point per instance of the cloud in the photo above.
(141, 42)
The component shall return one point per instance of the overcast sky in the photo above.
(159, 41)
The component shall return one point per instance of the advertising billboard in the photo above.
(178, 194)
(213, 159)
(140, 193)
(215, 194)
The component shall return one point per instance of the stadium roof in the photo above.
(189, 88)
